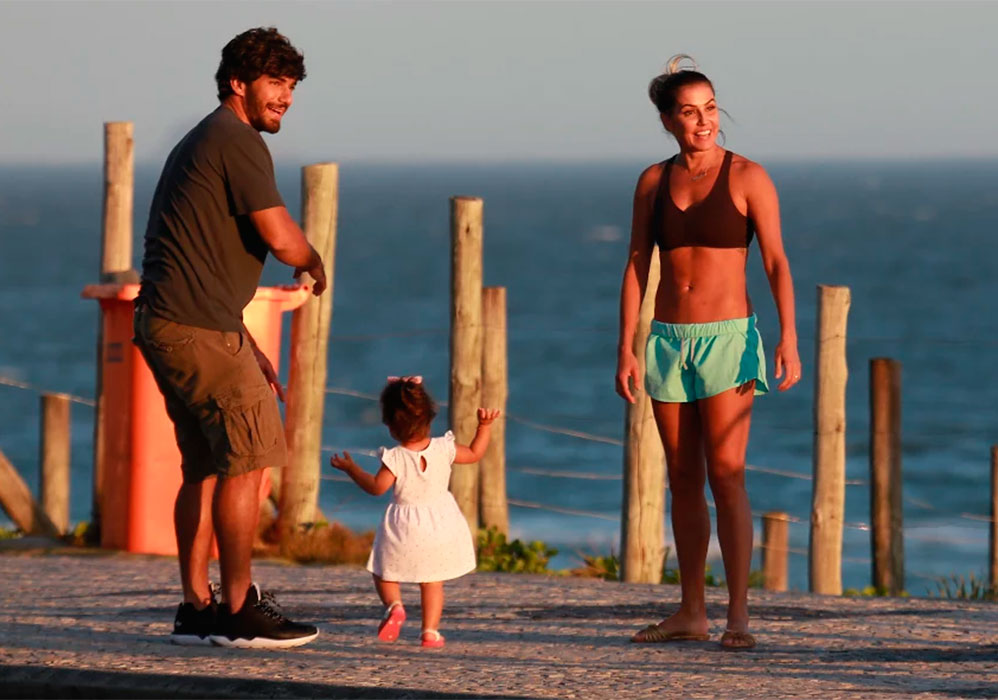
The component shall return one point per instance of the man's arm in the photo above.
(287, 242)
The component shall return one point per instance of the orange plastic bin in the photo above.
(141, 460)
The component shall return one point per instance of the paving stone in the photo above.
(80, 626)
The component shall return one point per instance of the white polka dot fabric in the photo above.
(423, 536)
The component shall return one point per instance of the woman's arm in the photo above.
(635, 280)
(374, 484)
(764, 209)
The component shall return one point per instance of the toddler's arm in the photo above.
(469, 455)
(374, 484)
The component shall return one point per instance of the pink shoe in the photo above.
(432, 639)
(391, 623)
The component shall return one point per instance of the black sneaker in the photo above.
(259, 624)
(191, 626)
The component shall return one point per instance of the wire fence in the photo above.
(796, 520)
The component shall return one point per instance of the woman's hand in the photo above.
(344, 463)
(627, 372)
(787, 362)
(487, 415)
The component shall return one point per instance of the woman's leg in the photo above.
(388, 591)
(725, 419)
(432, 599)
(679, 428)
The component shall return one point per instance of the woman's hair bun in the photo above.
(680, 70)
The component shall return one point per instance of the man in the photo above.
(215, 214)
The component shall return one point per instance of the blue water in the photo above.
(913, 241)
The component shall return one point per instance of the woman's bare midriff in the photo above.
(700, 285)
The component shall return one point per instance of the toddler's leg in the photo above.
(391, 596)
(388, 591)
(432, 597)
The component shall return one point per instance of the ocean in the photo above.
(912, 240)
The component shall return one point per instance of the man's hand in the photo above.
(268, 372)
(317, 272)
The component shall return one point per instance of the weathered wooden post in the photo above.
(642, 537)
(17, 502)
(116, 265)
(494, 510)
(886, 518)
(775, 549)
(993, 525)
(299, 482)
(829, 460)
(465, 394)
(54, 460)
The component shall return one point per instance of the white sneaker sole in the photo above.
(261, 642)
(190, 640)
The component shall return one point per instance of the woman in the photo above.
(704, 355)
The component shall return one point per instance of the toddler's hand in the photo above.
(344, 463)
(487, 415)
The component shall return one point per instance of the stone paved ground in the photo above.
(83, 626)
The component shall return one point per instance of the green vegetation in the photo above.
(968, 587)
(12, 534)
(495, 553)
(596, 566)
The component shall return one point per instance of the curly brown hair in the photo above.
(407, 409)
(256, 52)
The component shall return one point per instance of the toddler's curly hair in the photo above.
(407, 409)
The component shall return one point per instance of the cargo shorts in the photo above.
(224, 412)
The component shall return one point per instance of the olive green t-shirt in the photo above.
(203, 256)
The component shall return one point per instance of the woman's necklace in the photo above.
(702, 174)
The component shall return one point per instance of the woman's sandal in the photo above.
(432, 639)
(655, 633)
(391, 623)
(733, 640)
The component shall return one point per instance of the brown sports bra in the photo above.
(713, 222)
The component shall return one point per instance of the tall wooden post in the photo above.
(494, 510)
(993, 525)
(465, 395)
(299, 482)
(886, 518)
(642, 536)
(54, 460)
(116, 265)
(775, 549)
(829, 465)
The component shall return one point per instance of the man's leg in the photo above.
(193, 524)
(236, 509)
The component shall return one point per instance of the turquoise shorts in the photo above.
(690, 361)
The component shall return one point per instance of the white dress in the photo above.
(423, 536)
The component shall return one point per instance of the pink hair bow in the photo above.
(415, 379)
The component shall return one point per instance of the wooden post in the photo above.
(16, 500)
(829, 456)
(775, 549)
(119, 177)
(299, 483)
(54, 460)
(465, 394)
(116, 266)
(642, 536)
(993, 525)
(494, 510)
(886, 518)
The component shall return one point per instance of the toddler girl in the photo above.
(423, 537)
